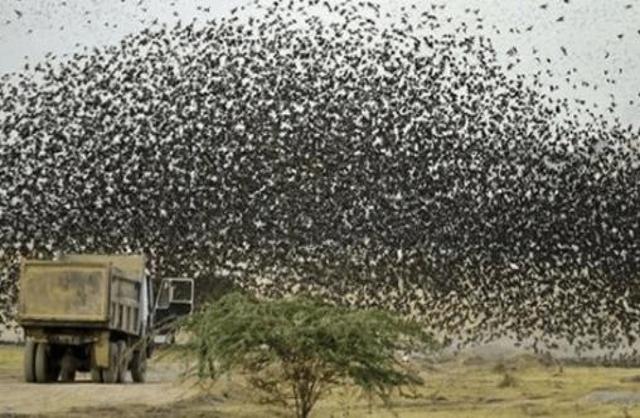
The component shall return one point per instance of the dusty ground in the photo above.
(164, 386)
(463, 386)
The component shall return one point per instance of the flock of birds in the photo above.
(302, 146)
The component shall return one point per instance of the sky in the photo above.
(598, 35)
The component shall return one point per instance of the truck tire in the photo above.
(122, 362)
(67, 376)
(96, 375)
(110, 374)
(45, 369)
(139, 366)
(29, 361)
(68, 368)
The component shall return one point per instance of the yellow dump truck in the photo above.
(87, 313)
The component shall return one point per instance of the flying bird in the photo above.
(371, 163)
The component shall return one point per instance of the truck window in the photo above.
(181, 292)
(164, 298)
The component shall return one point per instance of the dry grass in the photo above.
(521, 386)
(454, 389)
(10, 357)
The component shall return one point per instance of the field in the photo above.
(461, 386)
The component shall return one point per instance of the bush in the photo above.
(298, 349)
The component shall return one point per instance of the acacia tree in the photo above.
(295, 350)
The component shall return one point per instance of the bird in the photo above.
(372, 163)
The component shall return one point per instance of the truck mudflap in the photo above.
(100, 354)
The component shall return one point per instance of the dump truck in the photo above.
(88, 313)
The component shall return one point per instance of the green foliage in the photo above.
(299, 348)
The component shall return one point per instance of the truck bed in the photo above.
(64, 292)
(78, 294)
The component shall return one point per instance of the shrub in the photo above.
(295, 350)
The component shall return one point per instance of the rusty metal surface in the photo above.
(63, 336)
(131, 265)
(82, 292)
(65, 292)
(100, 351)
(124, 290)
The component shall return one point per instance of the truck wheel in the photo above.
(45, 369)
(96, 375)
(67, 375)
(110, 374)
(68, 367)
(139, 366)
(29, 361)
(122, 362)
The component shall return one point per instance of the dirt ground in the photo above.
(164, 385)
(461, 386)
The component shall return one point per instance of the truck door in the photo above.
(174, 301)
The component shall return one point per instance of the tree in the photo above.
(297, 349)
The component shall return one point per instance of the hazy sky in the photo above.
(590, 33)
